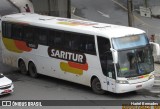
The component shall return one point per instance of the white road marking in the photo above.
(105, 15)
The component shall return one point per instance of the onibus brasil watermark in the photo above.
(21, 103)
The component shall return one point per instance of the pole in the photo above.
(49, 7)
(68, 8)
(146, 3)
(130, 13)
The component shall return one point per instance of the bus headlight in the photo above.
(152, 76)
(122, 82)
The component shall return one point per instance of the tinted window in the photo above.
(86, 44)
(29, 34)
(75, 42)
(6, 29)
(41, 36)
(70, 40)
(17, 31)
(51, 38)
(58, 39)
(105, 56)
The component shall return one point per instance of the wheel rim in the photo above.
(32, 70)
(98, 86)
(22, 67)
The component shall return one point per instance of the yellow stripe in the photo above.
(65, 67)
(10, 45)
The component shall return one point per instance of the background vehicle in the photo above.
(103, 56)
(6, 85)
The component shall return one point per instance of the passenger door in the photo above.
(106, 61)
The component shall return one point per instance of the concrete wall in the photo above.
(51, 7)
(21, 5)
(7, 8)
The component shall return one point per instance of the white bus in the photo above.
(103, 56)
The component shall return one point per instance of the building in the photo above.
(59, 8)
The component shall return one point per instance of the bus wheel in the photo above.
(96, 86)
(22, 67)
(32, 70)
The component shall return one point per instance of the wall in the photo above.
(51, 7)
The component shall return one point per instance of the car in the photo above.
(6, 85)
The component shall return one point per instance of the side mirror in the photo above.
(156, 48)
(1, 74)
(115, 55)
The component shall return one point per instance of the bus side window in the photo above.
(55, 38)
(29, 34)
(70, 41)
(74, 43)
(17, 31)
(51, 37)
(3, 29)
(87, 44)
(58, 39)
(41, 35)
(6, 29)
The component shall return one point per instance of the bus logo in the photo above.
(66, 55)
(76, 61)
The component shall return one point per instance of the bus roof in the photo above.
(74, 25)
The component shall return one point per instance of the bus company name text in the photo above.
(66, 55)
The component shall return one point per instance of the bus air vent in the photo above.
(101, 26)
(46, 18)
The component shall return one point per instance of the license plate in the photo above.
(7, 91)
(138, 86)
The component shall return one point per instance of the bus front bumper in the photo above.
(122, 88)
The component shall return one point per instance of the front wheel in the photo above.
(96, 86)
(32, 70)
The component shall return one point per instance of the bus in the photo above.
(105, 57)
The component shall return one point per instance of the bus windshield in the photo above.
(128, 42)
(135, 62)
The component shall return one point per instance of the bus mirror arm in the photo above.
(156, 48)
(115, 55)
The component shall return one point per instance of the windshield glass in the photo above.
(130, 41)
(135, 62)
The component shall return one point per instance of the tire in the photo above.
(32, 70)
(96, 86)
(22, 67)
